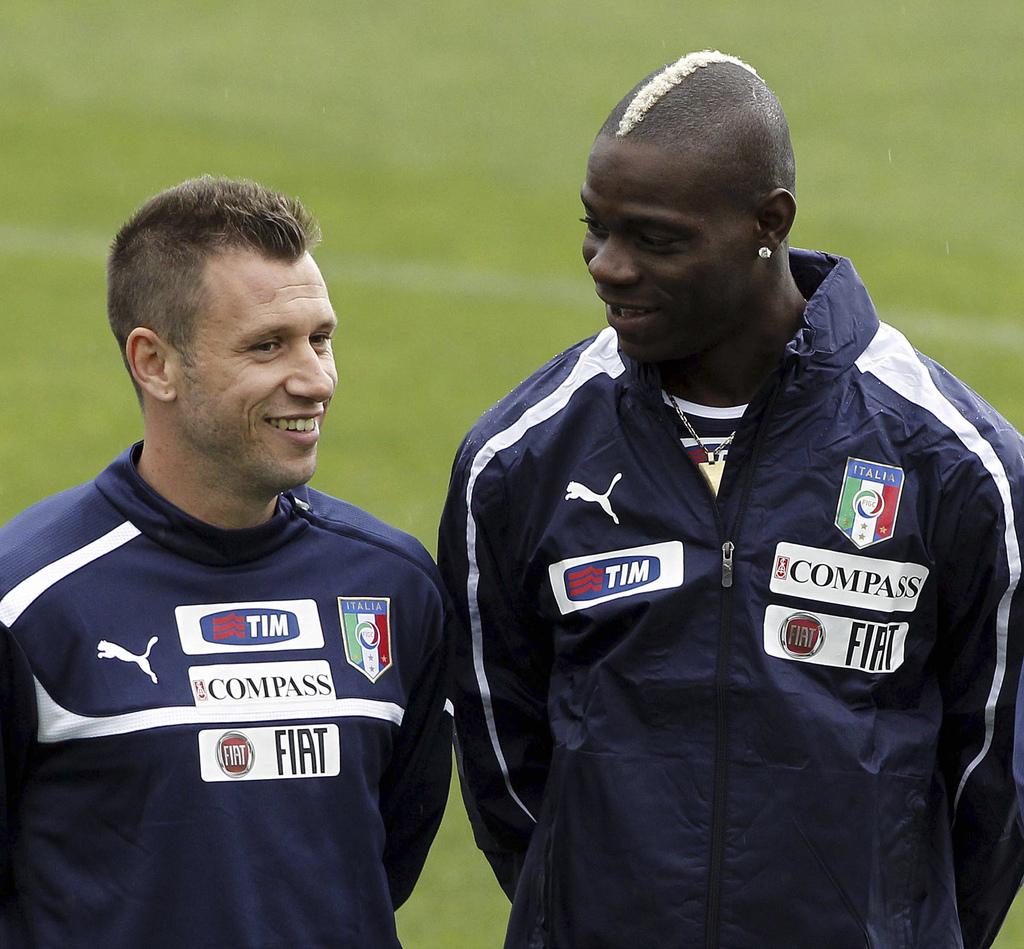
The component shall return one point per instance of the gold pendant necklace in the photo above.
(713, 468)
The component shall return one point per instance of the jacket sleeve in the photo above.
(502, 667)
(980, 649)
(414, 788)
(17, 735)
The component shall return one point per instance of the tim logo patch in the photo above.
(247, 627)
(366, 627)
(582, 582)
(869, 501)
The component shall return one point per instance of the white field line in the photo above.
(972, 333)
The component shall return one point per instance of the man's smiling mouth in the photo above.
(294, 424)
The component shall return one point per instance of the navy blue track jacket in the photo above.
(214, 738)
(782, 720)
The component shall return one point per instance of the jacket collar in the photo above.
(174, 529)
(839, 319)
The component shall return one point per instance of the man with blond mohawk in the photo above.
(738, 581)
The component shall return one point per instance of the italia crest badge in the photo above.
(869, 501)
(366, 629)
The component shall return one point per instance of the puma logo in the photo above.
(107, 650)
(574, 491)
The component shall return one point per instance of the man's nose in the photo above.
(313, 375)
(611, 261)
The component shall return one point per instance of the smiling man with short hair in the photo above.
(222, 693)
(739, 581)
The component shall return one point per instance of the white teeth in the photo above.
(294, 424)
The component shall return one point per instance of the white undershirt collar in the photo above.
(705, 411)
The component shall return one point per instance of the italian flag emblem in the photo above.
(869, 501)
(366, 631)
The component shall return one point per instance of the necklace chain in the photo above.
(713, 456)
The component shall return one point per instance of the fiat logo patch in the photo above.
(802, 635)
(235, 754)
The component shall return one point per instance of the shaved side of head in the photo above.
(718, 105)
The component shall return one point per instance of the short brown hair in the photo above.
(155, 265)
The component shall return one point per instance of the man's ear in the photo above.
(775, 216)
(155, 364)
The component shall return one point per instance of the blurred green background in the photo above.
(442, 147)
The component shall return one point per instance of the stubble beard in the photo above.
(241, 468)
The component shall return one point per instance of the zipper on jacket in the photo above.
(728, 547)
(721, 770)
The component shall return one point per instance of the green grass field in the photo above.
(442, 147)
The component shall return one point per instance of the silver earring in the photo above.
(764, 252)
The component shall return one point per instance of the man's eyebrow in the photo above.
(278, 327)
(669, 219)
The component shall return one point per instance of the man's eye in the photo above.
(654, 240)
(267, 346)
(593, 226)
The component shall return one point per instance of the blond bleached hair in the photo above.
(660, 85)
